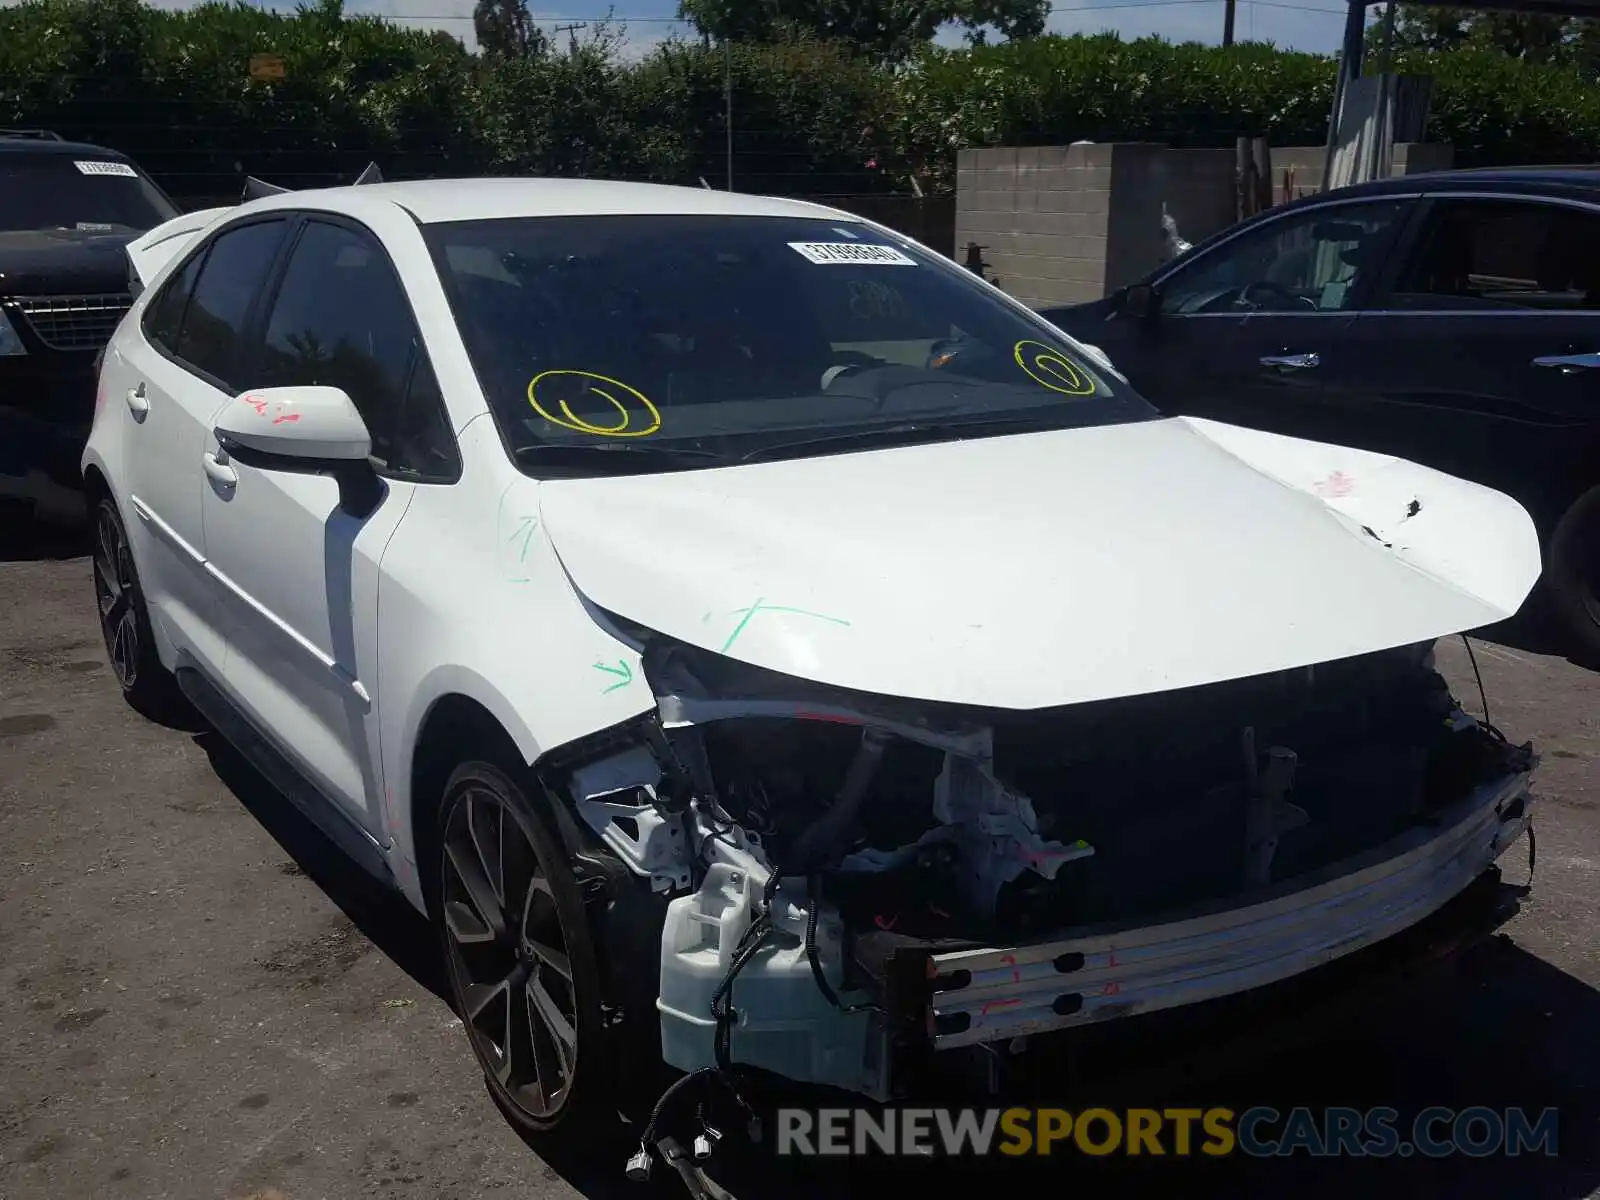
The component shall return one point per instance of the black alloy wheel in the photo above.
(521, 962)
(125, 621)
(1572, 574)
(115, 589)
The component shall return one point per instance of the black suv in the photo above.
(1451, 319)
(67, 212)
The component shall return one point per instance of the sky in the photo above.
(1292, 24)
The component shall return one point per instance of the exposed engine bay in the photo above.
(845, 876)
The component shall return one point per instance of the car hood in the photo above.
(1076, 319)
(1049, 568)
(49, 262)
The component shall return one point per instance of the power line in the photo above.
(571, 30)
(614, 19)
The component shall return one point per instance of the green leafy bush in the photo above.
(176, 90)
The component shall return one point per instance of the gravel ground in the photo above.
(200, 1001)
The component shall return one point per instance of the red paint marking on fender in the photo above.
(282, 417)
(991, 1005)
(1035, 857)
(1011, 961)
(1337, 484)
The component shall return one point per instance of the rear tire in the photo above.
(520, 956)
(1572, 574)
(125, 621)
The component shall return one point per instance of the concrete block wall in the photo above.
(1297, 171)
(1416, 158)
(1041, 214)
(1198, 189)
(1307, 162)
(1066, 224)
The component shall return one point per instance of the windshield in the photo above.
(703, 340)
(88, 194)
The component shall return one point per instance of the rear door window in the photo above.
(164, 317)
(1502, 255)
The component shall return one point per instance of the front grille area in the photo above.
(74, 322)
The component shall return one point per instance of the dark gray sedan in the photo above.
(1452, 319)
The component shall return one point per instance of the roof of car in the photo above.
(1575, 180)
(13, 144)
(432, 201)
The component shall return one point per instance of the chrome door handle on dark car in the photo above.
(1568, 363)
(1291, 362)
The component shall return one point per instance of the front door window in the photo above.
(1311, 261)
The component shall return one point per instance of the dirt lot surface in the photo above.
(197, 999)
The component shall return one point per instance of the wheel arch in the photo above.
(624, 916)
(96, 487)
(454, 725)
(1586, 477)
(1570, 580)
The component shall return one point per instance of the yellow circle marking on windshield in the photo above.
(1052, 369)
(637, 405)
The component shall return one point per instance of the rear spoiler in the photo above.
(154, 249)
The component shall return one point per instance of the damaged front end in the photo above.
(860, 890)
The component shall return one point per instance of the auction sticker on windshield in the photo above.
(828, 253)
(103, 167)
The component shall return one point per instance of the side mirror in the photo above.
(296, 424)
(1140, 301)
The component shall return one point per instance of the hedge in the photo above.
(174, 89)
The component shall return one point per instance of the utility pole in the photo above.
(572, 34)
(727, 101)
(1229, 11)
(1388, 37)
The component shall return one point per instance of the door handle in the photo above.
(218, 470)
(1291, 362)
(1568, 363)
(138, 403)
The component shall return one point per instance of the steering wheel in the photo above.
(847, 362)
(1253, 295)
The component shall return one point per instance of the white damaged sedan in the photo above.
(762, 646)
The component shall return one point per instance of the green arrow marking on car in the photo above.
(525, 530)
(622, 671)
(745, 614)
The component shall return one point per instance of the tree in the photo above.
(1541, 38)
(889, 29)
(505, 30)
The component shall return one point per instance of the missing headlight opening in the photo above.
(868, 893)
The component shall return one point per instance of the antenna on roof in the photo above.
(369, 175)
(704, 184)
(257, 189)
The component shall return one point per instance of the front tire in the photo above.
(125, 620)
(1572, 575)
(520, 957)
